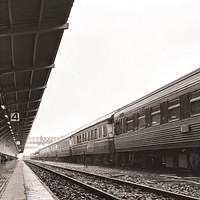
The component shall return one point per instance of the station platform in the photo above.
(24, 185)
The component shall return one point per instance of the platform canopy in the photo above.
(30, 34)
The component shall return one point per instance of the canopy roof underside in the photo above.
(30, 34)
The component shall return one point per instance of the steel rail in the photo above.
(157, 191)
(87, 187)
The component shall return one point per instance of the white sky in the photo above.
(113, 53)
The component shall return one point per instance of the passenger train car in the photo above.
(91, 144)
(160, 130)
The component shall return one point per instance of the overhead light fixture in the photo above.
(3, 107)
(6, 116)
(8, 122)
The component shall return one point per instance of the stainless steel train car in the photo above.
(160, 130)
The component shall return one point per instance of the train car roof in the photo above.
(135, 104)
(95, 122)
(162, 92)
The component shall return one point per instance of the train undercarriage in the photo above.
(180, 161)
(183, 160)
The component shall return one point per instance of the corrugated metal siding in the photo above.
(63, 152)
(5, 49)
(79, 149)
(101, 147)
(23, 14)
(52, 153)
(95, 147)
(25, 49)
(162, 137)
(4, 18)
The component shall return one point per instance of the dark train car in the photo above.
(59, 150)
(94, 144)
(34, 156)
(162, 129)
(64, 150)
(49, 153)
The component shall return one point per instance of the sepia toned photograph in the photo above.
(99, 100)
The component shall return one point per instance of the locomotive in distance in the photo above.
(159, 131)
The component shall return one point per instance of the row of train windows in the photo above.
(91, 135)
(153, 116)
(55, 147)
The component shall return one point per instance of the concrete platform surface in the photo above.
(24, 185)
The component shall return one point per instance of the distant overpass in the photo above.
(35, 143)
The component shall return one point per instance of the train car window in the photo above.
(92, 134)
(121, 126)
(117, 128)
(100, 132)
(135, 121)
(88, 135)
(195, 102)
(148, 117)
(174, 109)
(164, 112)
(155, 116)
(125, 125)
(130, 123)
(85, 137)
(141, 119)
(95, 133)
(77, 140)
(104, 131)
(185, 106)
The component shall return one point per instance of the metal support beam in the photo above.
(22, 102)
(31, 29)
(24, 69)
(21, 89)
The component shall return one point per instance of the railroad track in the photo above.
(4, 178)
(111, 188)
(73, 188)
(6, 170)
